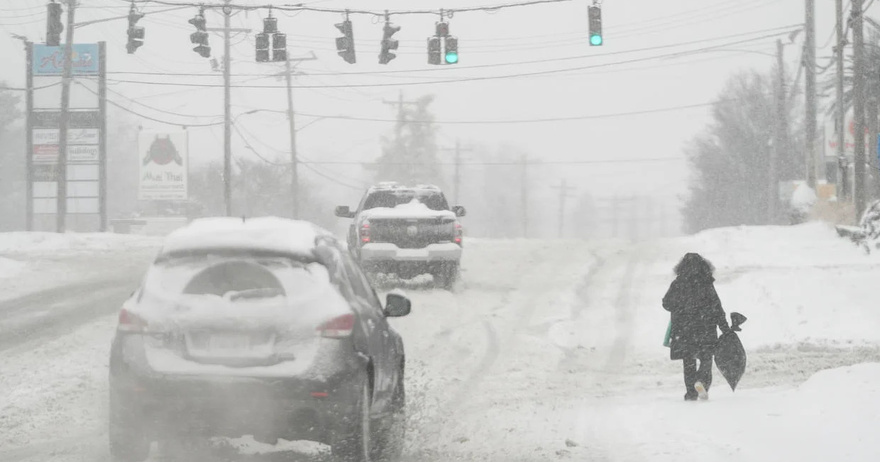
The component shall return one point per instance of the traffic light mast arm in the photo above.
(116, 18)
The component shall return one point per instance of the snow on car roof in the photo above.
(413, 209)
(269, 234)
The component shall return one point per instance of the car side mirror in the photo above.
(344, 212)
(397, 305)
(459, 211)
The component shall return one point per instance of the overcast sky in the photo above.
(617, 79)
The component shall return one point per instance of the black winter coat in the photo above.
(696, 311)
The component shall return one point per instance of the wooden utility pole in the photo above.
(456, 182)
(859, 105)
(294, 162)
(401, 122)
(227, 109)
(291, 118)
(810, 65)
(840, 119)
(564, 191)
(64, 122)
(780, 139)
(524, 195)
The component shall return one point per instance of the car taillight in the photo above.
(339, 327)
(365, 233)
(130, 322)
(459, 233)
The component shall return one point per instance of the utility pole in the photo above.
(810, 64)
(227, 102)
(398, 129)
(564, 190)
(840, 120)
(227, 111)
(64, 122)
(524, 194)
(294, 171)
(780, 138)
(859, 104)
(456, 198)
(291, 118)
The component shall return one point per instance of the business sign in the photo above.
(74, 136)
(86, 153)
(849, 137)
(50, 60)
(163, 166)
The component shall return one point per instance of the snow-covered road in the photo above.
(551, 350)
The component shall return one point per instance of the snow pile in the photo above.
(831, 416)
(10, 267)
(54, 243)
(803, 199)
(271, 234)
(413, 209)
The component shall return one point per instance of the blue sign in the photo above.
(50, 60)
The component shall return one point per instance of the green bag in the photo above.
(668, 334)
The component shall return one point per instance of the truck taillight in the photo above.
(130, 322)
(365, 233)
(459, 233)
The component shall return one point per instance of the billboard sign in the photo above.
(50, 60)
(163, 159)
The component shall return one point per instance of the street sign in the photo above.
(50, 60)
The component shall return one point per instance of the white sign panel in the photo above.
(85, 153)
(47, 93)
(74, 136)
(163, 159)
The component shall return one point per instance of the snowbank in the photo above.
(831, 416)
(10, 267)
(54, 243)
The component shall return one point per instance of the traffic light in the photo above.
(279, 47)
(434, 54)
(345, 44)
(596, 26)
(135, 33)
(388, 44)
(451, 54)
(200, 36)
(54, 26)
(442, 47)
(262, 47)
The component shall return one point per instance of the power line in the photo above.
(782, 30)
(301, 8)
(459, 80)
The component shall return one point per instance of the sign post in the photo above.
(86, 153)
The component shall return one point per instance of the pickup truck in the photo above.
(406, 231)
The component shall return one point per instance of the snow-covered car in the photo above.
(262, 327)
(406, 231)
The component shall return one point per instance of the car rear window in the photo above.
(235, 277)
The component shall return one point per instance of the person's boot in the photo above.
(691, 395)
(702, 393)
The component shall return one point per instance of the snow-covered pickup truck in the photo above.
(406, 231)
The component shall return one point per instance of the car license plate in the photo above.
(229, 343)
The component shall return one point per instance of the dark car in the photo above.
(407, 231)
(263, 327)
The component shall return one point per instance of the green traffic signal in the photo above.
(595, 40)
(451, 57)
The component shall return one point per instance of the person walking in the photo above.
(696, 313)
